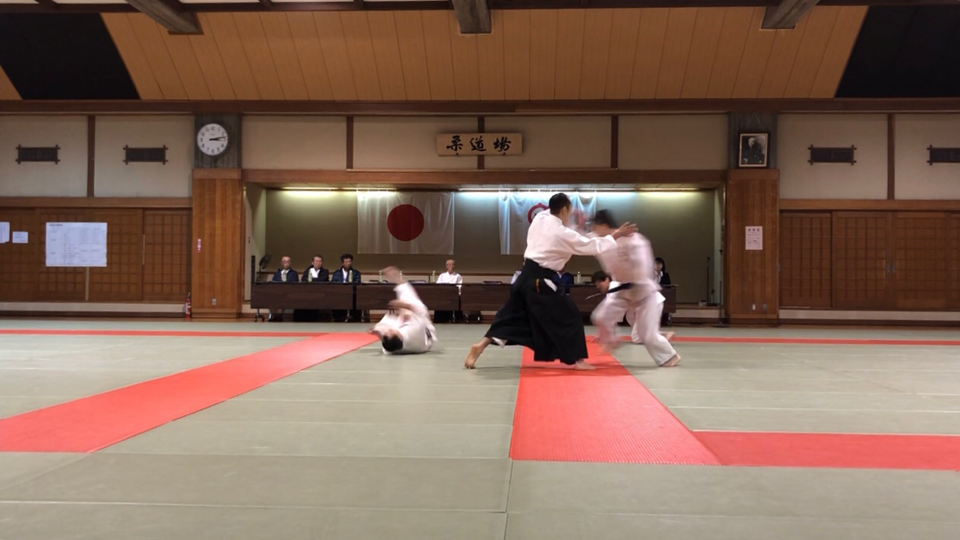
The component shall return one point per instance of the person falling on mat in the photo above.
(635, 291)
(406, 329)
(538, 315)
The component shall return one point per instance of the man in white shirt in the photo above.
(450, 277)
(406, 329)
(538, 315)
(285, 274)
(631, 291)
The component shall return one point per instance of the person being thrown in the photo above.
(538, 314)
(406, 329)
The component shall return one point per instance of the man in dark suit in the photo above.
(345, 274)
(316, 273)
(285, 274)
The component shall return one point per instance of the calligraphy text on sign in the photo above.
(480, 144)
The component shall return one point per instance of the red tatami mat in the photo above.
(600, 416)
(92, 423)
(153, 333)
(834, 450)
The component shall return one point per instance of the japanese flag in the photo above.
(517, 211)
(411, 222)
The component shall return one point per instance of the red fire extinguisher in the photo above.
(186, 307)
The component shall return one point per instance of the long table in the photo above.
(377, 296)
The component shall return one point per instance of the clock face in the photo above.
(212, 139)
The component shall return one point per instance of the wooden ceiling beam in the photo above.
(473, 16)
(491, 108)
(169, 15)
(787, 14)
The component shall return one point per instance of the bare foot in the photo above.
(671, 362)
(583, 366)
(471, 361)
(669, 335)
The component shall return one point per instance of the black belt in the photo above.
(620, 287)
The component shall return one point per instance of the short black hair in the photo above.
(558, 202)
(663, 264)
(605, 217)
(391, 343)
(346, 256)
(600, 276)
(317, 255)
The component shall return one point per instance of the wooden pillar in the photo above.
(217, 268)
(752, 275)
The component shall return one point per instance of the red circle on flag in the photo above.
(405, 222)
(537, 208)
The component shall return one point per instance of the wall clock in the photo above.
(212, 139)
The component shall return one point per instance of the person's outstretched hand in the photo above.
(625, 230)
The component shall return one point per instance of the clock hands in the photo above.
(217, 138)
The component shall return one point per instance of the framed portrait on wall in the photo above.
(753, 150)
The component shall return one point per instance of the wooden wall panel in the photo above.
(19, 260)
(626, 53)
(953, 260)
(57, 283)
(805, 260)
(752, 279)
(861, 254)
(922, 260)
(166, 258)
(7, 90)
(122, 279)
(217, 268)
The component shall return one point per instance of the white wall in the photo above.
(114, 178)
(916, 179)
(65, 179)
(407, 143)
(294, 142)
(554, 142)
(673, 142)
(867, 179)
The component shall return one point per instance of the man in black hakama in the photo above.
(539, 315)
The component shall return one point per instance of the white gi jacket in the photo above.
(414, 325)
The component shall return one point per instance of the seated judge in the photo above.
(285, 274)
(663, 278)
(316, 273)
(345, 274)
(566, 281)
(450, 277)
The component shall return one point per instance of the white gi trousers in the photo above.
(646, 322)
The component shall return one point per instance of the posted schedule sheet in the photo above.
(77, 244)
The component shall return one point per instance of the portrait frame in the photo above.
(748, 155)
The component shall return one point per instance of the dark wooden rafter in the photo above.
(787, 14)
(473, 16)
(170, 15)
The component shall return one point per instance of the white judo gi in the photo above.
(631, 263)
(414, 325)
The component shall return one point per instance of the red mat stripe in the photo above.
(92, 423)
(811, 341)
(157, 333)
(600, 416)
(841, 450)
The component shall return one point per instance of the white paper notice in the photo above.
(77, 244)
(4, 232)
(20, 237)
(754, 238)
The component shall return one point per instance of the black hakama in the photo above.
(541, 317)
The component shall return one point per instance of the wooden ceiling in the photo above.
(7, 91)
(568, 54)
